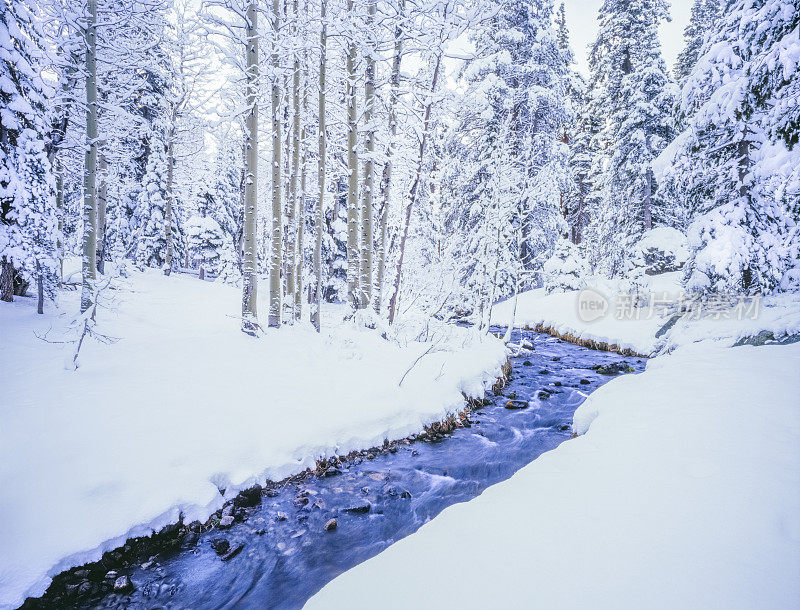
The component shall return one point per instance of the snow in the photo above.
(684, 492)
(561, 312)
(149, 427)
(636, 328)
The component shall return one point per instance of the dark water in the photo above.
(288, 555)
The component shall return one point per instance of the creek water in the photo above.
(288, 554)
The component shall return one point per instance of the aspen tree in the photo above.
(277, 221)
(294, 218)
(365, 283)
(102, 199)
(320, 213)
(386, 179)
(90, 168)
(353, 258)
(412, 195)
(250, 283)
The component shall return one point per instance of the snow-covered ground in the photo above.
(183, 404)
(636, 328)
(684, 492)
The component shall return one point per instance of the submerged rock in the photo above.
(359, 509)
(123, 584)
(331, 525)
(220, 545)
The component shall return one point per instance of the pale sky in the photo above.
(582, 23)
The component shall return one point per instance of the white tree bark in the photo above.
(365, 282)
(353, 258)
(277, 220)
(102, 200)
(386, 180)
(249, 271)
(89, 243)
(320, 215)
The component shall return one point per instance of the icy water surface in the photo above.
(288, 555)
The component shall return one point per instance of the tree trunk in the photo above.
(320, 215)
(648, 189)
(168, 213)
(60, 213)
(102, 200)
(249, 272)
(277, 212)
(365, 282)
(353, 258)
(386, 180)
(293, 216)
(90, 168)
(413, 192)
(6, 280)
(301, 216)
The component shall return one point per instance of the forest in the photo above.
(427, 153)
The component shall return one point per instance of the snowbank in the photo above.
(636, 328)
(560, 311)
(684, 493)
(182, 405)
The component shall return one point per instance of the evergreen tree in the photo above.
(509, 171)
(206, 239)
(28, 223)
(150, 205)
(630, 104)
(704, 15)
(737, 162)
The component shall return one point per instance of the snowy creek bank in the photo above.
(682, 491)
(276, 546)
(182, 411)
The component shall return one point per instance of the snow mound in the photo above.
(683, 493)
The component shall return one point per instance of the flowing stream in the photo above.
(287, 554)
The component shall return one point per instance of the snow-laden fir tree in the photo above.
(576, 135)
(738, 161)
(510, 159)
(566, 269)
(630, 102)
(28, 223)
(206, 239)
(701, 21)
(151, 243)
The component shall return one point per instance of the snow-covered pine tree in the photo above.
(576, 135)
(703, 16)
(151, 244)
(738, 159)
(28, 223)
(509, 166)
(206, 239)
(631, 101)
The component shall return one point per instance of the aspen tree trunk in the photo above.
(277, 221)
(365, 283)
(102, 200)
(320, 215)
(60, 213)
(293, 216)
(353, 258)
(90, 168)
(648, 190)
(412, 196)
(249, 271)
(301, 216)
(168, 211)
(386, 180)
